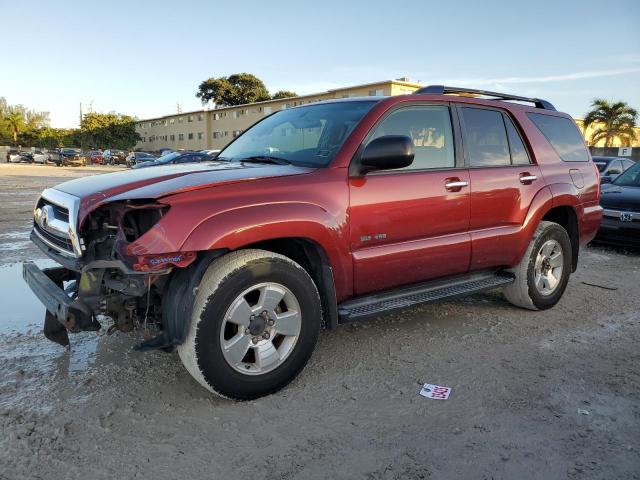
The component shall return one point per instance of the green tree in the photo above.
(18, 124)
(283, 94)
(613, 120)
(236, 89)
(108, 130)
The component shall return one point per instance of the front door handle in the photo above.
(526, 178)
(455, 184)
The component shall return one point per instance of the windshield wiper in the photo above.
(266, 159)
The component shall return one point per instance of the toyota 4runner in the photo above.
(317, 216)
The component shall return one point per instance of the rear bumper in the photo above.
(590, 223)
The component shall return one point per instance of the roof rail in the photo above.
(442, 90)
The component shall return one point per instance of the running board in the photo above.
(428, 292)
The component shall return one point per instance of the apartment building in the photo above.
(213, 129)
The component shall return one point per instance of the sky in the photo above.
(142, 58)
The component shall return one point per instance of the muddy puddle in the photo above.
(23, 347)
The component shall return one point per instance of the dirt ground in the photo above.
(536, 395)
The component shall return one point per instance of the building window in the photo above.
(191, 136)
(236, 133)
(172, 121)
(180, 120)
(190, 118)
(181, 136)
(200, 117)
(226, 134)
(172, 138)
(200, 135)
(217, 134)
(378, 92)
(235, 114)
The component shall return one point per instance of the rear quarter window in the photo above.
(563, 135)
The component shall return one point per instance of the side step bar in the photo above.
(427, 292)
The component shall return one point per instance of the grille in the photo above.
(60, 242)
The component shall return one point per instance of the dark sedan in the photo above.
(621, 202)
(176, 157)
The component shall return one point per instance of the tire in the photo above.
(232, 283)
(532, 288)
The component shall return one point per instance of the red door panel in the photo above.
(408, 227)
(500, 200)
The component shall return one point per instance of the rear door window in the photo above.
(563, 135)
(485, 137)
(519, 155)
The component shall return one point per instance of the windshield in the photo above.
(630, 178)
(307, 136)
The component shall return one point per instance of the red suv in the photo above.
(317, 216)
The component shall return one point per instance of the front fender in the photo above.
(238, 227)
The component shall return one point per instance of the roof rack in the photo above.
(442, 90)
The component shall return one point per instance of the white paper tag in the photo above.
(435, 391)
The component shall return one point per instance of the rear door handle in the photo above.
(455, 184)
(527, 178)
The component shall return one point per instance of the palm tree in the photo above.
(15, 119)
(614, 120)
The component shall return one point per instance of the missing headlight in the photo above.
(138, 221)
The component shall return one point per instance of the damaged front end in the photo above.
(105, 270)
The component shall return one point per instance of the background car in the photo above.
(621, 203)
(13, 156)
(94, 157)
(39, 156)
(63, 157)
(114, 157)
(174, 158)
(138, 157)
(26, 157)
(611, 167)
(210, 152)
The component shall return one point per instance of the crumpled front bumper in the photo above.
(63, 312)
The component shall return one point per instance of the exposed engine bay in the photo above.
(112, 278)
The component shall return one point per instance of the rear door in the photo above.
(503, 183)
(409, 225)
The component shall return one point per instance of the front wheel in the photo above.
(254, 324)
(542, 275)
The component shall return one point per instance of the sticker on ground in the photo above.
(435, 391)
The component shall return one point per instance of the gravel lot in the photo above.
(543, 395)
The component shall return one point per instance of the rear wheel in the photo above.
(254, 325)
(543, 273)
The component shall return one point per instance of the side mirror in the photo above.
(386, 153)
(605, 179)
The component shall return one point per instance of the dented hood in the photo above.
(157, 182)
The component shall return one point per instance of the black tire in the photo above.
(524, 292)
(224, 281)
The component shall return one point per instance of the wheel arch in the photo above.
(567, 218)
(313, 258)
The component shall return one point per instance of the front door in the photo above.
(411, 224)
